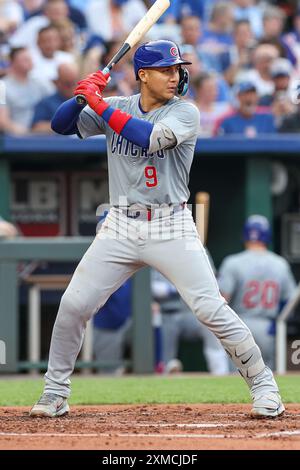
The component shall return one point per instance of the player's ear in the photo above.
(142, 75)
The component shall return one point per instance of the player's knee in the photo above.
(73, 309)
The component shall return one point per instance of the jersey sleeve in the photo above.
(227, 277)
(90, 123)
(183, 121)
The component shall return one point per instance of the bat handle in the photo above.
(81, 99)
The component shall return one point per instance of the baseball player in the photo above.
(151, 138)
(256, 282)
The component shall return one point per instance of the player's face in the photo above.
(162, 82)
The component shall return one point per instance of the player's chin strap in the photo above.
(184, 78)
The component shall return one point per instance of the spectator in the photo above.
(178, 322)
(112, 19)
(273, 21)
(7, 230)
(247, 10)
(68, 76)
(246, 119)
(181, 8)
(92, 57)
(263, 58)
(68, 39)
(191, 34)
(217, 39)
(197, 68)
(79, 4)
(255, 282)
(206, 88)
(281, 73)
(53, 11)
(111, 330)
(77, 17)
(23, 92)
(32, 8)
(48, 56)
(281, 99)
(10, 15)
(4, 53)
(293, 38)
(240, 54)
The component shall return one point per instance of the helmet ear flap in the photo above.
(184, 78)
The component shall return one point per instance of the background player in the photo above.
(256, 282)
(179, 322)
(151, 139)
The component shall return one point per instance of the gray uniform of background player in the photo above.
(256, 282)
(123, 245)
(179, 322)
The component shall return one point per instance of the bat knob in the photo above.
(80, 99)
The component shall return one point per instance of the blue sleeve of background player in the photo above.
(64, 122)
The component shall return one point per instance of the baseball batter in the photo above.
(151, 139)
(256, 282)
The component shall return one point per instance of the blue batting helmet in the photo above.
(257, 228)
(161, 53)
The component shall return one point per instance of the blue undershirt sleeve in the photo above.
(135, 130)
(65, 118)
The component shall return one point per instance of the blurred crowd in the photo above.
(245, 59)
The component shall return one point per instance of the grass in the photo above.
(153, 389)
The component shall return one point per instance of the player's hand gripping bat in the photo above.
(143, 26)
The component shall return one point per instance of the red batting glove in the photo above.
(97, 78)
(92, 94)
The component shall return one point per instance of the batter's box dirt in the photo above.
(159, 427)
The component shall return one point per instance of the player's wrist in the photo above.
(98, 104)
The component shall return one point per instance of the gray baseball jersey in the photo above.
(256, 282)
(160, 177)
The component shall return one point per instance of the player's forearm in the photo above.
(65, 119)
(133, 129)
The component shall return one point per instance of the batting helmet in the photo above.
(257, 228)
(161, 53)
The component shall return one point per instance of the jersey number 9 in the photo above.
(151, 176)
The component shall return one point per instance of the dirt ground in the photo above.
(147, 427)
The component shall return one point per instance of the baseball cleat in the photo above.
(50, 406)
(267, 406)
(174, 366)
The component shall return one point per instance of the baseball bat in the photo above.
(143, 26)
(202, 200)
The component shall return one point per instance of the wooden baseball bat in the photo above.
(143, 26)
(202, 200)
